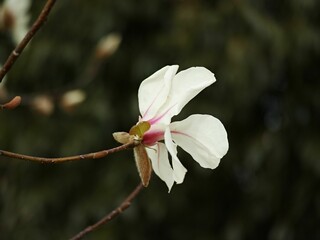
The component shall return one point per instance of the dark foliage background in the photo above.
(265, 55)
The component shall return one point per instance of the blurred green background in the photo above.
(265, 55)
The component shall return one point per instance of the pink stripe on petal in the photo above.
(157, 119)
(181, 133)
(146, 112)
(189, 136)
(152, 137)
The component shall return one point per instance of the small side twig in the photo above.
(94, 155)
(122, 207)
(30, 34)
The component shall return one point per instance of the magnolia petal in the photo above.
(185, 86)
(158, 155)
(203, 137)
(179, 171)
(153, 91)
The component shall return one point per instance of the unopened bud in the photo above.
(108, 45)
(14, 17)
(72, 98)
(15, 102)
(43, 104)
(7, 19)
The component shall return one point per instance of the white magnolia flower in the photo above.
(162, 96)
(14, 17)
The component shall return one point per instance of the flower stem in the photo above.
(30, 34)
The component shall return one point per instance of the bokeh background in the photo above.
(265, 55)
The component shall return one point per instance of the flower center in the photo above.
(151, 137)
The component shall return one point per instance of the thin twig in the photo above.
(122, 207)
(30, 34)
(94, 155)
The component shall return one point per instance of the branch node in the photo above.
(15, 53)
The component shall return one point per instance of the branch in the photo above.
(30, 34)
(94, 155)
(122, 207)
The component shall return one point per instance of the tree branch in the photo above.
(94, 155)
(30, 34)
(122, 207)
